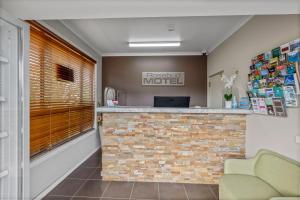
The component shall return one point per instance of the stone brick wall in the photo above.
(164, 147)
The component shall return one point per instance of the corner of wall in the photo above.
(256, 36)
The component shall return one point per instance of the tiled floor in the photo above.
(85, 184)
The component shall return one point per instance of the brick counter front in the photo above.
(170, 147)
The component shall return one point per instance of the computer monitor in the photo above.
(169, 101)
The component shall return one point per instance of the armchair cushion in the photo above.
(245, 187)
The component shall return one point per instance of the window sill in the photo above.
(42, 157)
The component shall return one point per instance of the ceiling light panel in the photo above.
(154, 44)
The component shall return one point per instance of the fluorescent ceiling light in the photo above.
(154, 44)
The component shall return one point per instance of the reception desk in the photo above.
(180, 145)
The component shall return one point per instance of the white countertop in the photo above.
(191, 110)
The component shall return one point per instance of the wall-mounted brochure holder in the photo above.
(274, 80)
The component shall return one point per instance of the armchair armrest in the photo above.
(285, 198)
(239, 166)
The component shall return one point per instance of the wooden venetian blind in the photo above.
(61, 90)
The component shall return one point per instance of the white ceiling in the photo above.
(92, 9)
(111, 36)
(107, 25)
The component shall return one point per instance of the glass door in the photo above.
(9, 172)
(12, 129)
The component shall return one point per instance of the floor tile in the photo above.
(85, 183)
(199, 192)
(67, 188)
(118, 190)
(96, 174)
(56, 198)
(172, 191)
(145, 191)
(81, 173)
(117, 199)
(215, 189)
(114, 199)
(92, 162)
(92, 188)
(97, 154)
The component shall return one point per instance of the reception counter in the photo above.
(180, 145)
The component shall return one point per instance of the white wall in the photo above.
(260, 34)
(49, 169)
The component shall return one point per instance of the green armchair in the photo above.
(267, 176)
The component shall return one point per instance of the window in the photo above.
(61, 90)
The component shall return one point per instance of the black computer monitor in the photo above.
(165, 101)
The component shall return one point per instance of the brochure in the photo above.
(262, 92)
(289, 80)
(262, 106)
(273, 62)
(269, 104)
(290, 96)
(244, 103)
(278, 104)
(269, 92)
(294, 56)
(295, 44)
(285, 48)
(262, 83)
(268, 55)
(297, 85)
(278, 92)
(250, 87)
(255, 106)
(276, 52)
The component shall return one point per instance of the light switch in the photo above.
(298, 139)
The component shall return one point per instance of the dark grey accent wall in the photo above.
(125, 74)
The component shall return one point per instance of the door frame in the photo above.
(219, 73)
(23, 99)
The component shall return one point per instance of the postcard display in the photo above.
(274, 80)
